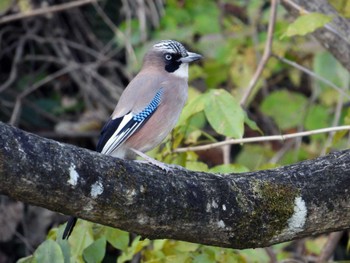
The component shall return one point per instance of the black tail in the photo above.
(69, 227)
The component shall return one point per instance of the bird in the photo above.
(148, 108)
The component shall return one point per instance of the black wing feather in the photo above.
(107, 131)
(130, 127)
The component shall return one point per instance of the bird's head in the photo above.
(171, 56)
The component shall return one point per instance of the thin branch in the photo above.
(336, 119)
(279, 154)
(17, 58)
(17, 109)
(141, 14)
(329, 247)
(226, 149)
(312, 74)
(272, 255)
(117, 31)
(226, 153)
(44, 10)
(300, 9)
(263, 138)
(266, 55)
(67, 42)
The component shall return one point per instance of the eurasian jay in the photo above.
(149, 107)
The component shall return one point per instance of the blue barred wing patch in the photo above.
(117, 131)
(150, 107)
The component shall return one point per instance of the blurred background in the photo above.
(64, 65)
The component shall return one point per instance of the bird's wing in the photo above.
(118, 130)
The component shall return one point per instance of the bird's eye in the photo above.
(168, 56)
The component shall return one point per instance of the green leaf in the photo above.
(195, 122)
(202, 15)
(216, 73)
(96, 251)
(224, 113)
(207, 255)
(229, 168)
(191, 108)
(186, 246)
(80, 239)
(178, 258)
(29, 259)
(117, 238)
(196, 166)
(136, 246)
(4, 5)
(203, 258)
(251, 124)
(306, 24)
(255, 255)
(204, 24)
(291, 157)
(49, 251)
(315, 245)
(228, 255)
(343, 7)
(253, 156)
(64, 245)
(193, 137)
(286, 108)
(333, 72)
(338, 136)
(317, 117)
(195, 72)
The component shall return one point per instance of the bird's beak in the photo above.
(191, 57)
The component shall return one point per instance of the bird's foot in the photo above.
(163, 166)
(159, 164)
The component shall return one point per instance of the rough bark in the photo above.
(338, 42)
(245, 210)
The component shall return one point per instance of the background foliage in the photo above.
(62, 73)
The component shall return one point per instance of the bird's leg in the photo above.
(149, 159)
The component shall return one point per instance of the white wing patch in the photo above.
(128, 125)
(120, 136)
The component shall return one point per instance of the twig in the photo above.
(45, 10)
(269, 251)
(329, 247)
(300, 9)
(279, 154)
(312, 74)
(117, 31)
(266, 55)
(18, 105)
(13, 73)
(69, 43)
(141, 14)
(226, 149)
(337, 115)
(226, 152)
(127, 34)
(263, 138)
(154, 15)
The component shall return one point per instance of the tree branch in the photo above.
(245, 210)
(333, 37)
